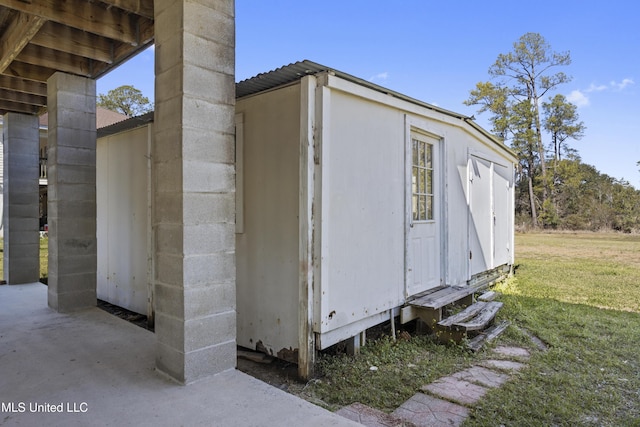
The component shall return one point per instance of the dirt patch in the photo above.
(275, 372)
(128, 315)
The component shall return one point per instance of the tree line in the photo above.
(554, 189)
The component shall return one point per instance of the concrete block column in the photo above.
(72, 192)
(21, 198)
(194, 188)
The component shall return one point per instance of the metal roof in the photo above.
(290, 73)
(293, 72)
(128, 124)
(278, 77)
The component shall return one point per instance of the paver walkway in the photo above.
(445, 402)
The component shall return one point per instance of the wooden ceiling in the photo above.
(83, 37)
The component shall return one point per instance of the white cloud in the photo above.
(379, 76)
(596, 88)
(624, 83)
(578, 98)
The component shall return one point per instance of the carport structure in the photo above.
(51, 53)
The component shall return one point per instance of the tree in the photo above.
(126, 100)
(522, 79)
(561, 121)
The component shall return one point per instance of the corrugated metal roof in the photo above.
(278, 77)
(290, 73)
(130, 123)
(293, 72)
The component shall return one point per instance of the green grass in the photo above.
(579, 293)
(44, 257)
(386, 373)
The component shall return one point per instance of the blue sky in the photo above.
(436, 51)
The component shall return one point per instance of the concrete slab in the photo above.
(371, 417)
(456, 390)
(428, 411)
(100, 370)
(482, 376)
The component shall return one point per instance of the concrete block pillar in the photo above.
(72, 192)
(21, 198)
(194, 188)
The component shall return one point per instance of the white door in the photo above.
(490, 209)
(423, 236)
(481, 215)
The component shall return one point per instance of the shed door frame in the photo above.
(421, 128)
(473, 157)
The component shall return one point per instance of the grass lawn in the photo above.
(579, 293)
(44, 260)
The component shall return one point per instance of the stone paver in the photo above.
(504, 365)
(456, 390)
(428, 411)
(464, 388)
(371, 417)
(517, 352)
(482, 376)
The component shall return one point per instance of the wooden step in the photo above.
(488, 296)
(474, 317)
(466, 314)
(490, 334)
(484, 317)
(441, 296)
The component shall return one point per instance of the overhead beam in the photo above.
(123, 52)
(56, 60)
(16, 107)
(23, 98)
(86, 16)
(29, 71)
(70, 40)
(22, 85)
(139, 7)
(17, 35)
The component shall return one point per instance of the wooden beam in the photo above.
(17, 35)
(22, 85)
(16, 107)
(123, 52)
(23, 98)
(86, 16)
(66, 39)
(139, 7)
(56, 60)
(29, 71)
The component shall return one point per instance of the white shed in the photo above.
(352, 200)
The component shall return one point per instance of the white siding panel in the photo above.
(122, 220)
(363, 179)
(267, 250)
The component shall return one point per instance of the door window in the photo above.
(422, 181)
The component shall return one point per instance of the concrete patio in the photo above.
(100, 370)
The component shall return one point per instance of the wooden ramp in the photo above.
(473, 318)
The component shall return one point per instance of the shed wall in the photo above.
(122, 191)
(267, 249)
(362, 211)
